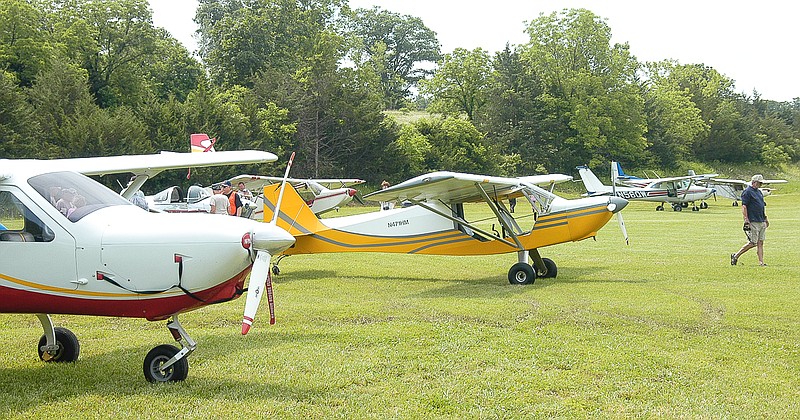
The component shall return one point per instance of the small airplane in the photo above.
(433, 221)
(172, 200)
(108, 257)
(678, 191)
(733, 188)
(319, 194)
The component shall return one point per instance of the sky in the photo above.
(753, 43)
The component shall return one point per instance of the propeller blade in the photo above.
(622, 228)
(260, 281)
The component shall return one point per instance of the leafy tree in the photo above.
(24, 47)
(19, 131)
(456, 145)
(460, 83)
(396, 45)
(592, 81)
(241, 38)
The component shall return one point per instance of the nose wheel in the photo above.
(167, 363)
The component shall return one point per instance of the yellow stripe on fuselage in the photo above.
(550, 229)
(69, 292)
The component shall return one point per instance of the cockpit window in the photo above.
(75, 195)
(19, 224)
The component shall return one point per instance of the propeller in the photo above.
(619, 213)
(260, 276)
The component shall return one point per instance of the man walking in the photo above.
(755, 220)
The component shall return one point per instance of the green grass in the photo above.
(665, 327)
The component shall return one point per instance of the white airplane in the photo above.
(172, 200)
(319, 194)
(435, 222)
(109, 257)
(733, 188)
(678, 191)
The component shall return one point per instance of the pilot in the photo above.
(64, 204)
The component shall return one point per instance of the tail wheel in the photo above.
(552, 270)
(68, 347)
(521, 273)
(157, 357)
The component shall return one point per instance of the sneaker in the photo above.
(763, 264)
(733, 259)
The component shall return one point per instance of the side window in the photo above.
(18, 224)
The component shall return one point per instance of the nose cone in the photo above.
(351, 192)
(616, 204)
(271, 238)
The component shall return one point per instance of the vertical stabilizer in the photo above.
(295, 215)
(591, 182)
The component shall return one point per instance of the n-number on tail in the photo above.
(295, 215)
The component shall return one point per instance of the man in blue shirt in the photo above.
(755, 220)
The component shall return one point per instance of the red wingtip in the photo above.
(245, 328)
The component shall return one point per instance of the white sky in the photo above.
(753, 43)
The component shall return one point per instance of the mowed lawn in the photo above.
(665, 327)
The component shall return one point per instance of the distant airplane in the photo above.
(732, 188)
(678, 191)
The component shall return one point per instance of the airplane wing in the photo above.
(745, 183)
(680, 178)
(150, 165)
(449, 187)
(257, 182)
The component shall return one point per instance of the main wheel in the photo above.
(157, 357)
(552, 270)
(704, 205)
(677, 208)
(521, 273)
(659, 208)
(68, 347)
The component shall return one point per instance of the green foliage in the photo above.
(460, 83)
(456, 145)
(19, 131)
(394, 45)
(24, 47)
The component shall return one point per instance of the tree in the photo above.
(592, 81)
(24, 48)
(455, 145)
(19, 131)
(460, 83)
(396, 45)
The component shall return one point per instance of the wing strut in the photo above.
(463, 222)
(500, 217)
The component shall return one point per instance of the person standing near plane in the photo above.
(219, 203)
(235, 208)
(755, 220)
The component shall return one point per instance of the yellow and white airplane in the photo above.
(432, 221)
(103, 256)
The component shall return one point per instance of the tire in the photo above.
(521, 273)
(68, 347)
(552, 270)
(157, 357)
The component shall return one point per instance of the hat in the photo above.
(757, 177)
(226, 183)
(216, 187)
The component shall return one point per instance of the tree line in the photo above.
(94, 77)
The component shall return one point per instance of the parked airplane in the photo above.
(678, 191)
(322, 195)
(435, 221)
(732, 188)
(103, 256)
(634, 181)
(172, 200)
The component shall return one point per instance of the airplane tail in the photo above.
(591, 182)
(295, 215)
(619, 173)
(201, 143)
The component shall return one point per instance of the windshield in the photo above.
(75, 195)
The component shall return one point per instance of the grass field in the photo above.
(665, 327)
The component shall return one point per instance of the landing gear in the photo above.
(677, 207)
(703, 205)
(521, 273)
(166, 363)
(58, 344)
(695, 208)
(551, 270)
(660, 207)
(735, 204)
(275, 269)
(158, 357)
